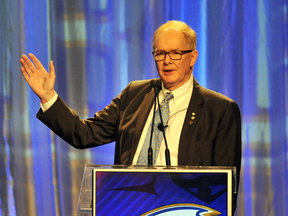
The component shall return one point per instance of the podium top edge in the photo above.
(101, 166)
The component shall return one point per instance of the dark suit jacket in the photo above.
(213, 139)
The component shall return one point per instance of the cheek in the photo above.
(157, 65)
(185, 67)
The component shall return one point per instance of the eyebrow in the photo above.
(166, 51)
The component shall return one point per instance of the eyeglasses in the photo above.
(174, 54)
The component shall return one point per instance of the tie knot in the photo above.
(168, 96)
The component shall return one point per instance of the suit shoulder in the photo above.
(135, 89)
(138, 86)
(215, 97)
(219, 103)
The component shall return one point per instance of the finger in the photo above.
(25, 67)
(36, 61)
(25, 75)
(22, 60)
(24, 57)
(28, 63)
(52, 70)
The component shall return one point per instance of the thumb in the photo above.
(52, 70)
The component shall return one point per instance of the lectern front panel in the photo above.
(162, 192)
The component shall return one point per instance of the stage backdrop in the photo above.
(98, 47)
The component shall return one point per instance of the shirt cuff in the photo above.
(47, 105)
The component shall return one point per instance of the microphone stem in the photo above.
(167, 157)
(167, 152)
(150, 150)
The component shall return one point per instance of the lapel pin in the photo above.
(192, 118)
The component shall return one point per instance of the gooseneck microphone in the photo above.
(157, 87)
(161, 127)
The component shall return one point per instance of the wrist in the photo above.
(47, 97)
(47, 105)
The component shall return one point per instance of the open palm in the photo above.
(41, 82)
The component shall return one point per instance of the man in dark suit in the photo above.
(204, 127)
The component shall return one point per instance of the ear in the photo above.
(193, 58)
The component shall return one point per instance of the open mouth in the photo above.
(168, 71)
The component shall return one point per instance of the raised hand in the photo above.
(41, 82)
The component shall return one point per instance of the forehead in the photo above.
(170, 39)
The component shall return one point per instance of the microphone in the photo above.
(161, 127)
(156, 84)
(157, 87)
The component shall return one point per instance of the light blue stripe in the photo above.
(123, 48)
(48, 31)
(202, 61)
(257, 132)
(79, 30)
(262, 59)
(103, 4)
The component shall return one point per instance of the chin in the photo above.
(168, 80)
(169, 85)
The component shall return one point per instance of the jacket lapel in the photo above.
(193, 115)
(142, 115)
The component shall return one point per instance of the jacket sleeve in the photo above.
(228, 139)
(91, 132)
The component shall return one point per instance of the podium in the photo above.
(158, 190)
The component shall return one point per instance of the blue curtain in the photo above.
(98, 47)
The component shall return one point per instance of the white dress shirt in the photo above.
(178, 108)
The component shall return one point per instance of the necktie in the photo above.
(157, 134)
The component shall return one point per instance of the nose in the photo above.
(167, 59)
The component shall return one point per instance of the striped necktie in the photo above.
(157, 134)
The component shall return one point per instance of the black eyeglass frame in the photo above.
(182, 52)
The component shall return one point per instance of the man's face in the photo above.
(174, 73)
